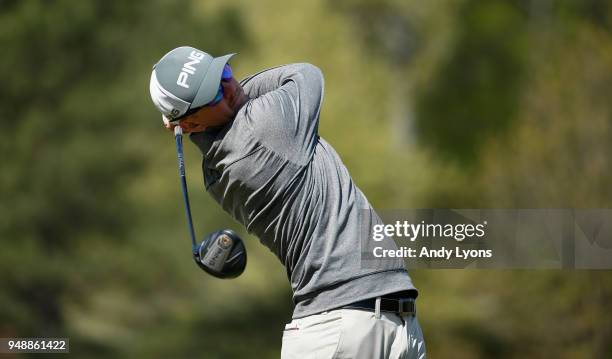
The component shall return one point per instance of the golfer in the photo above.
(265, 164)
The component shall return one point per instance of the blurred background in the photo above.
(442, 103)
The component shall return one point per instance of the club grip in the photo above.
(178, 131)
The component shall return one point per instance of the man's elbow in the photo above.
(312, 75)
(311, 70)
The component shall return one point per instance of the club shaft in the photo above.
(178, 135)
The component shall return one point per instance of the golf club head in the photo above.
(222, 254)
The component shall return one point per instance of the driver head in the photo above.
(222, 254)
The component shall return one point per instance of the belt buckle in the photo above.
(407, 306)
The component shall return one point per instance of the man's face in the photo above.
(218, 114)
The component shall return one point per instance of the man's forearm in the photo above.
(273, 78)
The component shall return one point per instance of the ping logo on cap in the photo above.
(188, 69)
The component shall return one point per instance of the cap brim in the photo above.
(210, 84)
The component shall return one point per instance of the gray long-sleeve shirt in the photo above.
(270, 170)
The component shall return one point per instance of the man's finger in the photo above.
(167, 123)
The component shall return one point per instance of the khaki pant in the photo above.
(353, 333)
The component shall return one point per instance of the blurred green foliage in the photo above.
(500, 103)
(475, 94)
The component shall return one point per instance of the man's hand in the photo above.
(167, 123)
(186, 125)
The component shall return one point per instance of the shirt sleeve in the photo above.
(284, 110)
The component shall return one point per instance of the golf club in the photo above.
(221, 253)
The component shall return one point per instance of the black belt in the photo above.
(401, 306)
